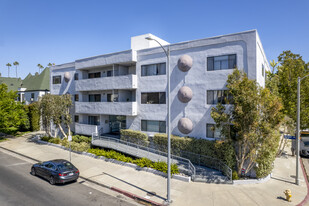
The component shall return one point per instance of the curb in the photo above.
(306, 179)
(135, 197)
(128, 194)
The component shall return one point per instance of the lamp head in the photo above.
(149, 38)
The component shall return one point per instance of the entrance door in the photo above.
(116, 123)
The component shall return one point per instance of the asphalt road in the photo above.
(18, 187)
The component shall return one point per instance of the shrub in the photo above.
(135, 137)
(34, 116)
(192, 148)
(79, 139)
(54, 140)
(80, 147)
(235, 175)
(142, 162)
(45, 138)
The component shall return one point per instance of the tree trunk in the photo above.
(61, 129)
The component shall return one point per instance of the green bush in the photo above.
(34, 116)
(135, 137)
(235, 175)
(80, 138)
(45, 138)
(80, 147)
(142, 162)
(55, 140)
(221, 150)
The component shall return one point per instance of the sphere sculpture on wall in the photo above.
(185, 125)
(67, 76)
(185, 94)
(185, 63)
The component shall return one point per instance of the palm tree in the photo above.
(8, 65)
(40, 67)
(16, 63)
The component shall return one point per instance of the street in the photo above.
(19, 187)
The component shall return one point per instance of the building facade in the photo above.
(127, 89)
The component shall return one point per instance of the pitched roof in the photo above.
(37, 82)
(12, 83)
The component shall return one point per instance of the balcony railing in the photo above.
(107, 83)
(108, 108)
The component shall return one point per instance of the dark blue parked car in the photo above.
(56, 171)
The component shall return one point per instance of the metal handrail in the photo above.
(175, 159)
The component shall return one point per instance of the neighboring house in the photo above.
(127, 89)
(12, 83)
(34, 86)
(31, 88)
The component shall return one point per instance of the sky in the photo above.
(60, 31)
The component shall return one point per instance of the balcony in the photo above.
(107, 83)
(107, 108)
(85, 129)
(128, 56)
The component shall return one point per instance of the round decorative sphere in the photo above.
(185, 94)
(185, 125)
(67, 76)
(185, 63)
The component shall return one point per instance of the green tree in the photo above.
(8, 65)
(16, 63)
(12, 112)
(56, 109)
(291, 67)
(250, 124)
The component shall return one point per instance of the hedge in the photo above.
(136, 137)
(33, 113)
(192, 147)
(142, 162)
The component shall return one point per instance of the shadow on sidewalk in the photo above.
(147, 192)
(282, 180)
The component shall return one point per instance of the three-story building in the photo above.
(127, 89)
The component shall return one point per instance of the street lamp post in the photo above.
(167, 53)
(298, 128)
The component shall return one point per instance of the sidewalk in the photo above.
(182, 193)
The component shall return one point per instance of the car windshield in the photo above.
(306, 144)
(65, 166)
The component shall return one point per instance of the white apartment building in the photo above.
(127, 89)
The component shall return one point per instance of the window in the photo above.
(212, 131)
(219, 96)
(94, 75)
(153, 98)
(263, 70)
(76, 118)
(57, 79)
(76, 97)
(32, 95)
(109, 73)
(94, 97)
(153, 126)
(76, 76)
(154, 69)
(94, 120)
(221, 62)
(112, 97)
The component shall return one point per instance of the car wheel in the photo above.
(33, 171)
(51, 180)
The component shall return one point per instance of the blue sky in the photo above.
(61, 31)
